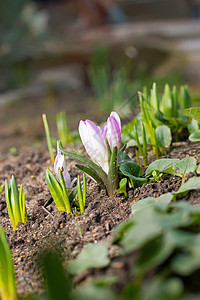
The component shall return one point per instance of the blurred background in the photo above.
(88, 57)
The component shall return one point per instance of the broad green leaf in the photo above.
(122, 187)
(123, 157)
(91, 291)
(150, 223)
(160, 202)
(184, 166)
(92, 256)
(162, 289)
(193, 112)
(195, 136)
(193, 126)
(198, 169)
(187, 262)
(163, 136)
(162, 165)
(132, 171)
(192, 184)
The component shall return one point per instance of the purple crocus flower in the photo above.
(59, 164)
(94, 139)
(113, 133)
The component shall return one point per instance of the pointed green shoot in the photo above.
(48, 137)
(15, 203)
(56, 189)
(80, 196)
(113, 173)
(7, 278)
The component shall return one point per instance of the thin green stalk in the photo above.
(137, 157)
(84, 189)
(48, 137)
(80, 195)
(144, 138)
(113, 173)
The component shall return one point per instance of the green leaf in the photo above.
(132, 171)
(122, 187)
(192, 184)
(163, 136)
(195, 136)
(167, 102)
(187, 262)
(123, 157)
(92, 291)
(184, 166)
(113, 173)
(198, 169)
(95, 168)
(162, 165)
(7, 279)
(193, 112)
(92, 256)
(93, 174)
(55, 190)
(162, 289)
(160, 202)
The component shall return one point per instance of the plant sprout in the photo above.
(15, 201)
(48, 137)
(63, 129)
(102, 145)
(60, 185)
(7, 278)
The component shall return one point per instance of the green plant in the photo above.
(15, 201)
(161, 115)
(64, 133)
(7, 278)
(60, 194)
(112, 89)
(48, 137)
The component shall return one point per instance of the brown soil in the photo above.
(47, 227)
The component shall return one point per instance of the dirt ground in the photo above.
(47, 227)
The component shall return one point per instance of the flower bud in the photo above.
(60, 164)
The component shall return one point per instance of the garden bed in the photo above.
(49, 228)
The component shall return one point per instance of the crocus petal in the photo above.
(114, 130)
(94, 143)
(59, 164)
(117, 118)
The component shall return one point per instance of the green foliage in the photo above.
(48, 137)
(122, 187)
(7, 278)
(21, 27)
(111, 88)
(92, 256)
(108, 182)
(195, 136)
(15, 201)
(133, 172)
(192, 184)
(163, 136)
(162, 165)
(61, 196)
(63, 129)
